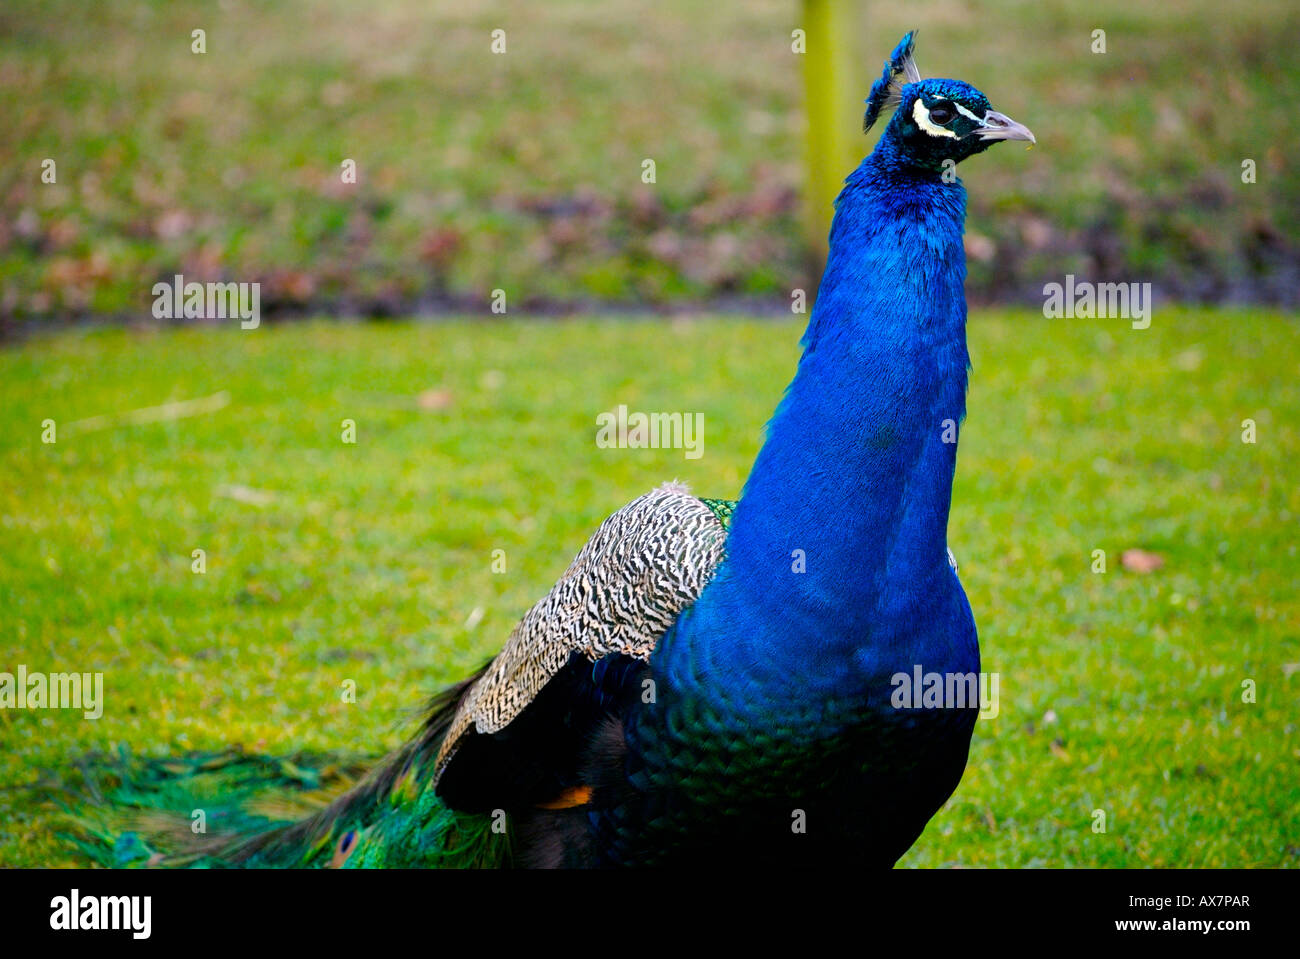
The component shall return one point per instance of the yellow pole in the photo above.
(834, 142)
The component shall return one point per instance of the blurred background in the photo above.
(523, 170)
(1126, 500)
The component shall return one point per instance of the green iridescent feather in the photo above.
(722, 509)
(262, 812)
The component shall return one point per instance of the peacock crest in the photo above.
(887, 92)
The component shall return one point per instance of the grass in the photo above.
(523, 171)
(329, 562)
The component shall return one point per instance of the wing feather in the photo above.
(644, 565)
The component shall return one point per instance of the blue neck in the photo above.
(855, 478)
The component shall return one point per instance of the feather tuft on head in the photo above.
(885, 92)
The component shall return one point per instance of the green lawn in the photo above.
(329, 562)
(522, 171)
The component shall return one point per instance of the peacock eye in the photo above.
(942, 112)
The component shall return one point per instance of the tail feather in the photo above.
(197, 809)
(236, 809)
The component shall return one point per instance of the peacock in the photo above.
(710, 681)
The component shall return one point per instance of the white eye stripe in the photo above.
(966, 113)
(922, 117)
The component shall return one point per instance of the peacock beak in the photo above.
(999, 126)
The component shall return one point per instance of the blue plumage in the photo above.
(775, 687)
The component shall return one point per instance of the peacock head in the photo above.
(937, 123)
